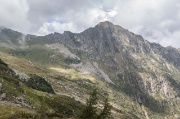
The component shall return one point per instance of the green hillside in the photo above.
(23, 100)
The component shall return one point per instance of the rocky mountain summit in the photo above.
(117, 51)
(147, 73)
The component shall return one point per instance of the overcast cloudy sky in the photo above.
(156, 20)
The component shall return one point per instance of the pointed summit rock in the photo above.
(105, 24)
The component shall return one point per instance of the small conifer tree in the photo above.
(106, 112)
(90, 110)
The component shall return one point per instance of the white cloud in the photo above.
(112, 13)
(156, 20)
(171, 40)
(13, 14)
(98, 15)
(54, 26)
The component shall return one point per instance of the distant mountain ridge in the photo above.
(146, 72)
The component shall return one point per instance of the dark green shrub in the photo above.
(39, 83)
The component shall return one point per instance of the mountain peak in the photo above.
(105, 24)
(108, 24)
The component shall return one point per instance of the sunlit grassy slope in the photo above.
(65, 81)
(22, 101)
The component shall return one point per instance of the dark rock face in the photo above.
(106, 39)
(125, 54)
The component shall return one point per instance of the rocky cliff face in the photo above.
(127, 62)
(121, 54)
(143, 70)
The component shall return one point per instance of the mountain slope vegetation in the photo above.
(140, 78)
